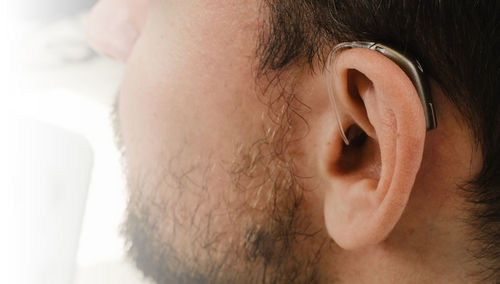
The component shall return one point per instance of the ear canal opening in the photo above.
(360, 157)
(352, 155)
(356, 136)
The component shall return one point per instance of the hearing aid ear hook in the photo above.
(411, 67)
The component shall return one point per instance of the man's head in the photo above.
(237, 172)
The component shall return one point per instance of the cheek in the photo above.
(178, 107)
(187, 101)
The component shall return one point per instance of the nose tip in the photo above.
(113, 26)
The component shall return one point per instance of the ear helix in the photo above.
(412, 68)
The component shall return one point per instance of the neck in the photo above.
(437, 254)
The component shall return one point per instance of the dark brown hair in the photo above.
(458, 43)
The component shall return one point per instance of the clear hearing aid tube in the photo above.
(410, 66)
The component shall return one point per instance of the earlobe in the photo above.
(369, 182)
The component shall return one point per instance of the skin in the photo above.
(190, 114)
(123, 19)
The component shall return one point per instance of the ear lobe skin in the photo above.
(363, 203)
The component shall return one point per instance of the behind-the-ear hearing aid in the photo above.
(409, 65)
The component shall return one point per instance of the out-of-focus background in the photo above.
(62, 193)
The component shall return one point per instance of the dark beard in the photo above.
(275, 243)
(269, 251)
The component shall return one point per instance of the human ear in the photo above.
(369, 181)
(113, 26)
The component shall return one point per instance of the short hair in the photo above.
(457, 42)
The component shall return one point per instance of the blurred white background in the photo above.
(62, 193)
